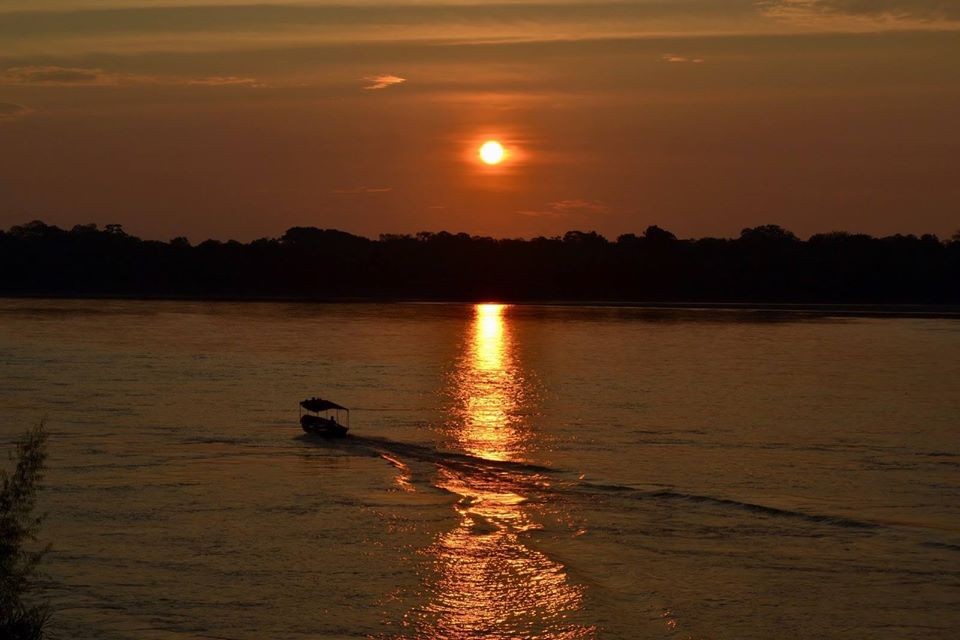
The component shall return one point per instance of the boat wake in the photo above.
(542, 479)
(672, 495)
(377, 447)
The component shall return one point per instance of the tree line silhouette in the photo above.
(765, 264)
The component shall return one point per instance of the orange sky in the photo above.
(221, 119)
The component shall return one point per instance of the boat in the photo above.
(328, 424)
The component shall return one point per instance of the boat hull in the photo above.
(322, 427)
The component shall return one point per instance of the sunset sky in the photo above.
(220, 119)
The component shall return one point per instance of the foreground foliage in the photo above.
(764, 264)
(18, 528)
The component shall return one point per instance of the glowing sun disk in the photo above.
(491, 152)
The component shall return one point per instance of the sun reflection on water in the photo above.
(489, 390)
(484, 579)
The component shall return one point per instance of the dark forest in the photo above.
(764, 264)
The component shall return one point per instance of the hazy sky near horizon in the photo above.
(217, 118)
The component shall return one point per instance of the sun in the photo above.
(492, 152)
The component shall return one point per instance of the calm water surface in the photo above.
(514, 472)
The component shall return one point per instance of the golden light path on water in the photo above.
(489, 389)
(484, 579)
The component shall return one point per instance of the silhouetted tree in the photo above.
(18, 529)
(654, 233)
(766, 263)
(584, 238)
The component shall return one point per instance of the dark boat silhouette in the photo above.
(327, 425)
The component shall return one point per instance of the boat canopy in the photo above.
(319, 404)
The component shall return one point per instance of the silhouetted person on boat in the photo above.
(326, 425)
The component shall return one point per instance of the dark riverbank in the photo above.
(766, 266)
(795, 309)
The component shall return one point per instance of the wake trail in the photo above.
(528, 474)
(425, 453)
(671, 495)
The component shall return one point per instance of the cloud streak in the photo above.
(354, 191)
(569, 207)
(678, 59)
(70, 35)
(265, 16)
(11, 111)
(55, 76)
(936, 11)
(224, 81)
(382, 82)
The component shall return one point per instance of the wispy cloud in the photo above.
(678, 59)
(230, 25)
(53, 75)
(920, 11)
(382, 82)
(353, 191)
(48, 75)
(570, 207)
(10, 111)
(224, 81)
(247, 17)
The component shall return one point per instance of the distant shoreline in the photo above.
(767, 268)
(856, 310)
